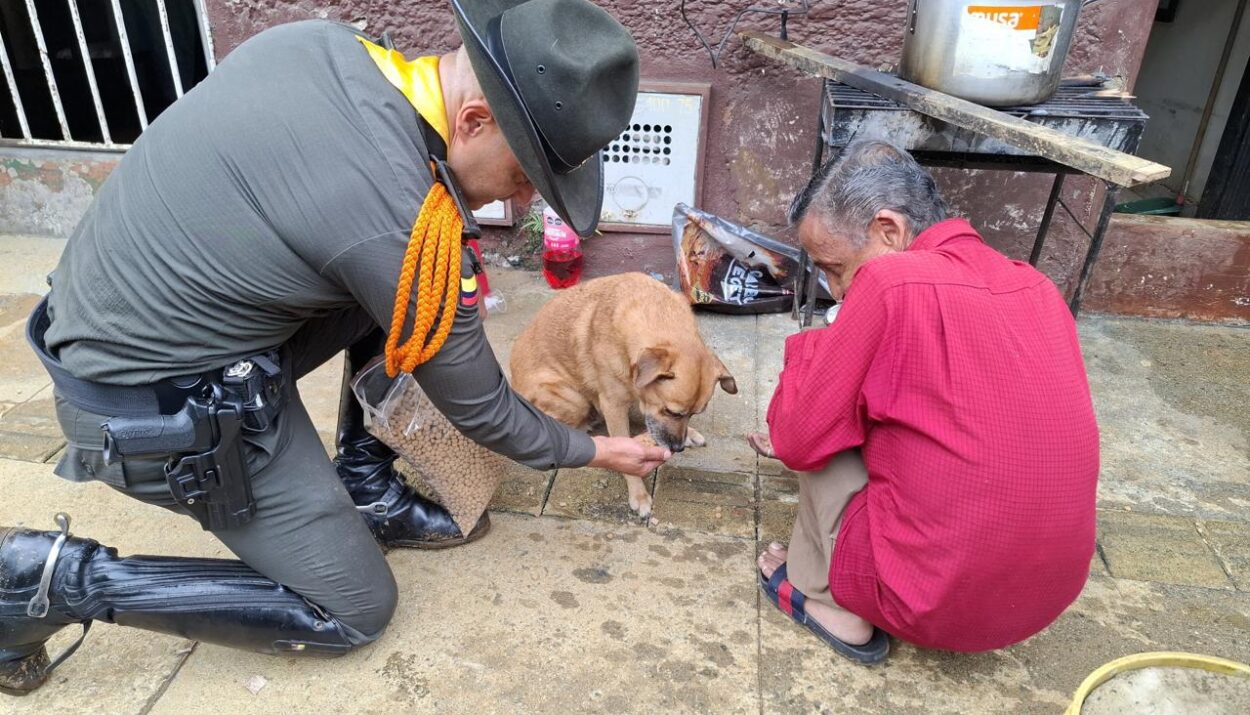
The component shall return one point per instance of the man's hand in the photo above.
(628, 456)
(762, 444)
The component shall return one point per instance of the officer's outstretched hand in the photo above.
(629, 456)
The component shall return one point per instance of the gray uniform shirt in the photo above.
(282, 188)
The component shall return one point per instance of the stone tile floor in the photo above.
(571, 605)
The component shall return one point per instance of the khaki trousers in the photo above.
(823, 496)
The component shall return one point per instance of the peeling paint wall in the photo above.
(44, 193)
(1162, 267)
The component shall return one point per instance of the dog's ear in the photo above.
(652, 364)
(727, 382)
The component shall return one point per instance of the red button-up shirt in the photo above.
(958, 373)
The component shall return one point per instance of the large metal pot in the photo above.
(994, 52)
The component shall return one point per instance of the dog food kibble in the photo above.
(462, 474)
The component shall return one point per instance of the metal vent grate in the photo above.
(643, 144)
(93, 73)
(656, 162)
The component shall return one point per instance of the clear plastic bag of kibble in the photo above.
(462, 474)
(388, 402)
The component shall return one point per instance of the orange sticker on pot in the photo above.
(1028, 17)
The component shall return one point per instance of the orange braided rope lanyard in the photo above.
(432, 261)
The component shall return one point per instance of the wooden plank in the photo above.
(1085, 156)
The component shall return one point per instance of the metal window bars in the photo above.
(90, 71)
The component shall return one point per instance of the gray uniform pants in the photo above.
(307, 534)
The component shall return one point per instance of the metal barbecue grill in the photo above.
(848, 113)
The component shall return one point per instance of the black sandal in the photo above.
(791, 602)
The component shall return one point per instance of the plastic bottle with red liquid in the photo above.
(562, 252)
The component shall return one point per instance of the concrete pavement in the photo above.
(570, 605)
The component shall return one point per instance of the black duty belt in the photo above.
(194, 423)
(165, 397)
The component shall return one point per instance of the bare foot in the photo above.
(844, 625)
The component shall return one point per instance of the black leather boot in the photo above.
(396, 514)
(49, 580)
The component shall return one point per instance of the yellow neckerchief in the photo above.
(432, 259)
(419, 82)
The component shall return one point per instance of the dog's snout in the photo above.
(664, 436)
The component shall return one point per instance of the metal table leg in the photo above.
(1095, 245)
(799, 284)
(810, 295)
(819, 159)
(803, 287)
(1044, 228)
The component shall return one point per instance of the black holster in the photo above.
(196, 423)
(203, 441)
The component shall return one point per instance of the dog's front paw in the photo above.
(641, 504)
(693, 438)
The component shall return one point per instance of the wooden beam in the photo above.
(1081, 154)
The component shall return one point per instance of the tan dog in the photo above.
(615, 346)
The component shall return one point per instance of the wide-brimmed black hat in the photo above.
(561, 77)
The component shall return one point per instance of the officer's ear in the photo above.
(474, 118)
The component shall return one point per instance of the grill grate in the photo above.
(1068, 102)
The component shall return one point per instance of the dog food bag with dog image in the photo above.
(462, 474)
(727, 268)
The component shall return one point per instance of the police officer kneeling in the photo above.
(308, 197)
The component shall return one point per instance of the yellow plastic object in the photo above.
(1161, 659)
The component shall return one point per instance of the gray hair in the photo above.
(870, 176)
